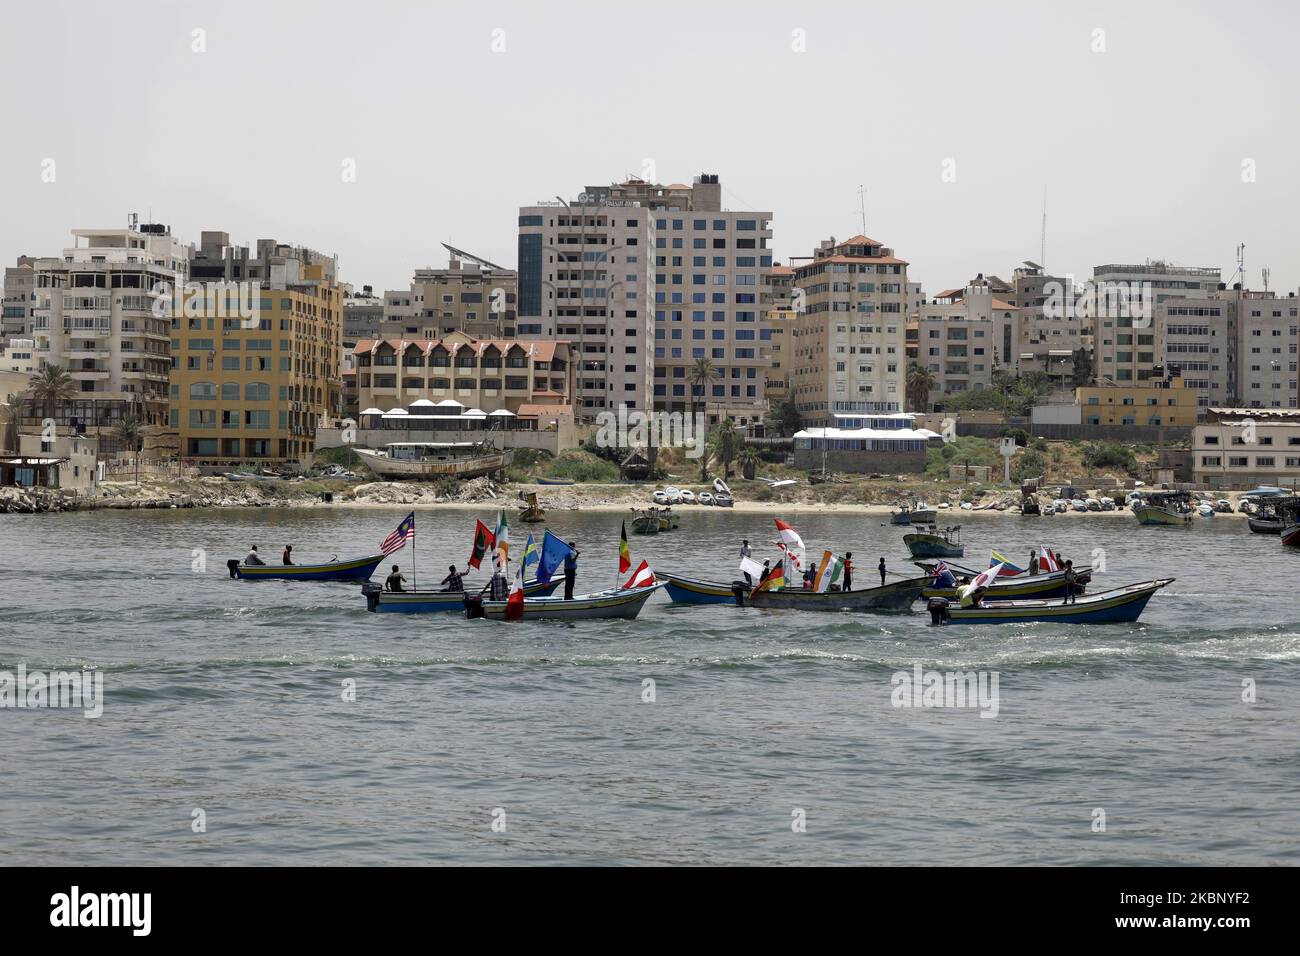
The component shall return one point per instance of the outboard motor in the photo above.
(938, 608)
(741, 590)
(473, 606)
(233, 566)
(372, 591)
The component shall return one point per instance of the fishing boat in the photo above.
(923, 514)
(645, 521)
(1288, 512)
(614, 603)
(428, 459)
(355, 569)
(530, 511)
(896, 596)
(1121, 605)
(667, 520)
(1029, 506)
(1046, 585)
(423, 602)
(1164, 507)
(555, 481)
(1265, 516)
(723, 500)
(933, 544)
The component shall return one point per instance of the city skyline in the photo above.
(456, 124)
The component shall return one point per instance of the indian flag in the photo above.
(828, 572)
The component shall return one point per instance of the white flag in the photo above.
(751, 567)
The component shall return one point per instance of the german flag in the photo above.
(624, 553)
(773, 579)
(483, 542)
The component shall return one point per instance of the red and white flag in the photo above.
(1047, 561)
(982, 580)
(787, 536)
(515, 600)
(642, 577)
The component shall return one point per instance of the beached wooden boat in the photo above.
(1046, 585)
(424, 602)
(1120, 605)
(355, 569)
(935, 544)
(428, 460)
(615, 603)
(896, 596)
(555, 481)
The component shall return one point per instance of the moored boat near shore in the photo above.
(1121, 605)
(935, 544)
(422, 459)
(354, 569)
(1164, 507)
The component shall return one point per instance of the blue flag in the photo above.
(530, 551)
(554, 551)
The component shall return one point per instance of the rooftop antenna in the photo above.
(1264, 273)
(1241, 265)
(862, 205)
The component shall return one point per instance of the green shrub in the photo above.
(1109, 455)
(1028, 464)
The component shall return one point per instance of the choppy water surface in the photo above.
(226, 696)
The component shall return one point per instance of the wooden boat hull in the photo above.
(900, 517)
(603, 605)
(1149, 515)
(1265, 525)
(1021, 586)
(1122, 605)
(355, 569)
(896, 596)
(1291, 536)
(555, 481)
(426, 602)
(932, 546)
(468, 467)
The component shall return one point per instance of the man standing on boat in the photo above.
(881, 569)
(395, 580)
(570, 571)
(848, 570)
(453, 581)
(1033, 561)
(745, 553)
(1070, 577)
(253, 556)
(287, 557)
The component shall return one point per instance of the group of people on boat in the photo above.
(253, 558)
(498, 587)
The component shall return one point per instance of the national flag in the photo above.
(982, 580)
(515, 602)
(828, 572)
(502, 536)
(403, 533)
(483, 541)
(787, 535)
(531, 552)
(624, 553)
(554, 551)
(772, 580)
(789, 555)
(1047, 561)
(1008, 568)
(943, 577)
(642, 577)
(751, 567)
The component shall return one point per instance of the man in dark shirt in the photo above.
(570, 571)
(287, 557)
(253, 556)
(1033, 562)
(881, 569)
(1070, 577)
(848, 571)
(453, 581)
(394, 581)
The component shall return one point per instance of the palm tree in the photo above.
(748, 459)
(726, 443)
(702, 374)
(920, 380)
(50, 384)
(128, 432)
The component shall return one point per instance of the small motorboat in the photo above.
(1265, 524)
(1107, 504)
(1163, 507)
(706, 498)
(1092, 504)
(530, 511)
(723, 500)
(1205, 509)
(923, 514)
(932, 544)
(1060, 505)
(645, 521)
(1050, 584)
(660, 498)
(1078, 504)
(674, 495)
(1121, 605)
(424, 602)
(895, 596)
(354, 569)
(720, 486)
(1049, 509)
(1223, 506)
(688, 496)
(625, 603)
(555, 481)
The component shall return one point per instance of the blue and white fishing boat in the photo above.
(1121, 605)
(625, 603)
(425, 602)
(354, 569)
(895, 596)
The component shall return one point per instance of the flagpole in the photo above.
(415, 585)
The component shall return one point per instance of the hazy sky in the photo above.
(1140, 147)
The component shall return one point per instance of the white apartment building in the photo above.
(964, 336)
(19, 306)
(645, 281)
(1048, 337)
(850, 339)
(1244, 447)
(94, 315)
(19, 355)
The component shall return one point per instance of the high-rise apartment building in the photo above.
(251, 381)
(964, 336)
(646, 281)
(471, 295)
(19, 299)
(850, 339)
(96, 315)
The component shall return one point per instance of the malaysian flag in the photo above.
(397, 540)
